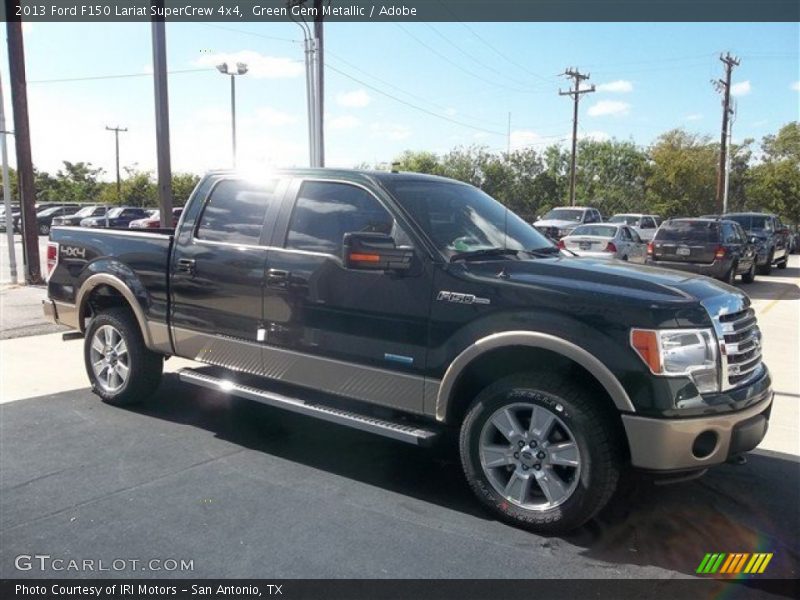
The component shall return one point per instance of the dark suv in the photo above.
(714, 247)
(771, 235)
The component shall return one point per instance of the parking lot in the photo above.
(241, 489)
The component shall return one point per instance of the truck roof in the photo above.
(351, 174)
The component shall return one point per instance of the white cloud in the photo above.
(260, 66)
(343, 122)
(609, 107)
(274, 118)
(525, 138)
(354, 99)
(796, 86)
(694, 117)
(620, 86)
(741, 89)
(390, 131)
(595, 136)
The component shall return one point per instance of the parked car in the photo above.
(83, 213)
(713, 247)
(562, 220)
(119, 216)
(153, 221)
(44, 218)
(14, 215)
(604, 241)
(409, 305)
(644, 225)
(772, 236)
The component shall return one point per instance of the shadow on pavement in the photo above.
(772, 287)
(743, 508)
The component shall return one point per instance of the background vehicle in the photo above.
(154, 220)
(44, 218)
(772, 236)
(76, 218)
(605, 240)
(562, 220)
(409, 305)
(119, 216)
(644, 225)
(713, 247)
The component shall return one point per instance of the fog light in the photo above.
(705, 444)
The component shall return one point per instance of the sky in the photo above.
(392, 87)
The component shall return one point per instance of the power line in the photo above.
(119, 76)
(253, 33)
(452, 62)
(415, 106)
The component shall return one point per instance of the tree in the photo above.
(784, 145)
(611, 176)
(682, 175)
(183, 185)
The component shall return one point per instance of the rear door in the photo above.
(217, 272)
(687, 241)
(647, 228)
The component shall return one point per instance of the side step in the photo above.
(412, 434)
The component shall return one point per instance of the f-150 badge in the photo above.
(462, 298)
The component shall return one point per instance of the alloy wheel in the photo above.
(110, 358)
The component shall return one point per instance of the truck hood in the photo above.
(595, 277)
(560, 224)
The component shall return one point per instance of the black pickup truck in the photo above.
(412, 306)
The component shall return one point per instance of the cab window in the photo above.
(235, 212)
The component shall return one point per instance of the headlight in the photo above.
(680, 353)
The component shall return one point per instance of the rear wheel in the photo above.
(120, 367)
(750, 276)
(730, 276)
(539, 452)
(782, 264)
(44, 229)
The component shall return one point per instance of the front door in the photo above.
(217, 273)
(360, 334)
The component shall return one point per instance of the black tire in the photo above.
(750, 276)
(782, 264)
(730, 276)
(145, 366)
(596, 436)
(766, 268)
(44, 229)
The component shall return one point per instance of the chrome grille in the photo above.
(740, 347)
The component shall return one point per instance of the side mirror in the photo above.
(375, 252)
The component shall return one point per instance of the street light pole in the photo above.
(241, 69)
(12, 255)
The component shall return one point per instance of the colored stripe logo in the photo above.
(734, 563)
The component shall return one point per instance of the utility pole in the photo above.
(162, 119)
(728, 161)
(116, 131)
(724, 86)
(320, 82)
(576, 93)
(22, 138)
(12, 255)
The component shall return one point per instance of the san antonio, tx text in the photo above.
(130, 589)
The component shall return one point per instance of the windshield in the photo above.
(564, 214)
(86, 211)
(698, 232)
(460, 218)
(752, 222)
(115, 212)
(48, 211)
(627, 219)
(598, 230)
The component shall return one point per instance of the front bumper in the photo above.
(698, 442)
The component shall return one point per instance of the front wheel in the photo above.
(120, 367)
(783, 263)
(766, 268)
(750, 276)
(540, 453)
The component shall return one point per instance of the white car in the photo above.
(644, 225)
(606, 240)
(563, 219)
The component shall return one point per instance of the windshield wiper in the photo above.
(484, 253)
(547, 252)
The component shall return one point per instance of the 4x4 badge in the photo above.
(462, 298)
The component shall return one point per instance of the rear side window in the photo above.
(235, 212)
(648, 223)
(729, 233)
(695, 232)
(325, 211)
